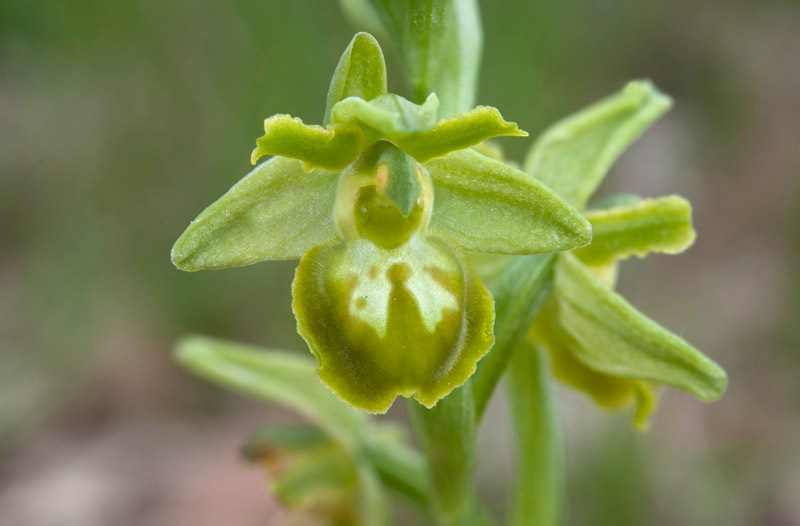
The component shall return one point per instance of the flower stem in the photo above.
(538, 470)
(447, 434)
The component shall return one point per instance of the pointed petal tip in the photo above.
(718, 384)
(645, 92)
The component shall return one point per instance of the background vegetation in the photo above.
(121, 120)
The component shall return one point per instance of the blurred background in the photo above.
(121, 120)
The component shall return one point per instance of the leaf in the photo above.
(459, 132)
(485, 205)
(361, 73)
(651, 225)
(573, 156)
(439, 44)
(279, 377)
(613, 337)
(331, 148)
(278, 211)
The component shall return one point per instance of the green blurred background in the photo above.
(120, 120)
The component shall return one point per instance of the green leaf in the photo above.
(485, 205)
(574, 155)
(518, 293)
(330, 148)
(361, 72)
(439, 43)
(613, 337)
(459, 132)
(538, 490)
(388, 116)
(651, 225)
(280, 377)
(278, 211)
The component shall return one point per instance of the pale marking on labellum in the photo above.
(370, 299)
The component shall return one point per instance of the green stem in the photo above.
(538, 471)
(518, 294)
(447, 434)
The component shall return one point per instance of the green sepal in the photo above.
(278, 211)
(651, 225)
(329, 148)
(410, 321)
(485, 205)
(439, 44)
(361, 73)
(387, 116)
(281, 377)
(573, 156)
(612, 337)
(459, 132)
(607, 391)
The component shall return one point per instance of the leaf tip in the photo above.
(189, 349)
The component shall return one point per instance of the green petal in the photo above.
(390, 116)
(277, 212)
(411, 321)
(280, 377)
(330, 148)
(361, 73)
(651, 225)
(574, 155)
(607, 391)
(485, 205)
(459, 132)
(613, 337)
(439, 44)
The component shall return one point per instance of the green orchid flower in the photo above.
(598, 343)
(310, 474)
(381, 204)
